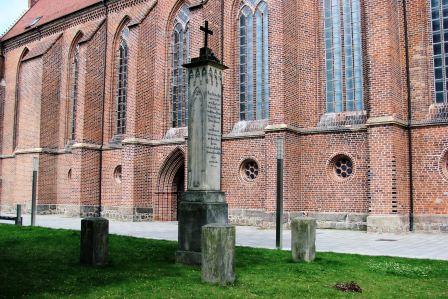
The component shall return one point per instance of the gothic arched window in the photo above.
(343, 44)
(122, 82)
(254, 60)
(74, 75)
(15, 130)
(439, 22)
(180, 56)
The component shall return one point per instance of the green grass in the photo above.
(39, 262)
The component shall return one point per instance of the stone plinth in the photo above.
(196, 210)
(388, 223)
(94, 241)
(303, 239)
(218, 254)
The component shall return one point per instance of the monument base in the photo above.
(198, 208)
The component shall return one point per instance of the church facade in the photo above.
(353, 94)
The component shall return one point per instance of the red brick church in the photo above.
(356, 92)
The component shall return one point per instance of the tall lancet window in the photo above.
(122, 82)
(439, 20)
(254, 60)
(180, 56)
(73, 92)
(343, 44)
(15, 132)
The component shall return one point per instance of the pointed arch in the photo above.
(169, 168)
(170, 182)
(72, 88)
(121, 57)
(123, 25)
(15, 131)
(174, 13)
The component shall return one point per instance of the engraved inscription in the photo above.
(213, 134)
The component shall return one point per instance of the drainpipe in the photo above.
(222, 85)
(222, 31)
(408, 87)
(100, 208)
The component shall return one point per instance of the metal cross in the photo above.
(207, 32)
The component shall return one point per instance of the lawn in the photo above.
(39, 262)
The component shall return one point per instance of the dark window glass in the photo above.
(439, 22)
(344, 76)
(122, 83)
(179, 83)
(74, 91)
(254, 60)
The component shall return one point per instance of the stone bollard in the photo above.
(303, 239)
(218, 254)
(94, 241)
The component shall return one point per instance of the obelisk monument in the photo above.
(203, 202)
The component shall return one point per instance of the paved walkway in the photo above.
(413, 245)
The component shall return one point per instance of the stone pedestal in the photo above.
(94, 241)
(218, 254)
(303, 239)
(197, 209)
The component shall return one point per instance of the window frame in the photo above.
(253, 60)
(180, 54)
(122, 67)
(343, 48)
(440, 95)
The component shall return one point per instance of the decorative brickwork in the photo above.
(350, 168)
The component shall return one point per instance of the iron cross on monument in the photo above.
(207, 32)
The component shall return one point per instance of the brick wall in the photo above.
(70, 180)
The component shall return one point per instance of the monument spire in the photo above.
(206, 52)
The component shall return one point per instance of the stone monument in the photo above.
(203, 202)
(94, 241)
(218, 254)
(303, 239)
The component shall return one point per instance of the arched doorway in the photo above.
(178, 189)
(171, 185)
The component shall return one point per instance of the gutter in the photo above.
(408, 87)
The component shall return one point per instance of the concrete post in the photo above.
(218, 254)
(94, 241)
(303, 239)
(19, 219)
(34, 192)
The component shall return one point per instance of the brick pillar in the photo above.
(2, 105)
(86, 162)
(129, 183)
(89, 127)
(387, 103)
(49, 125)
